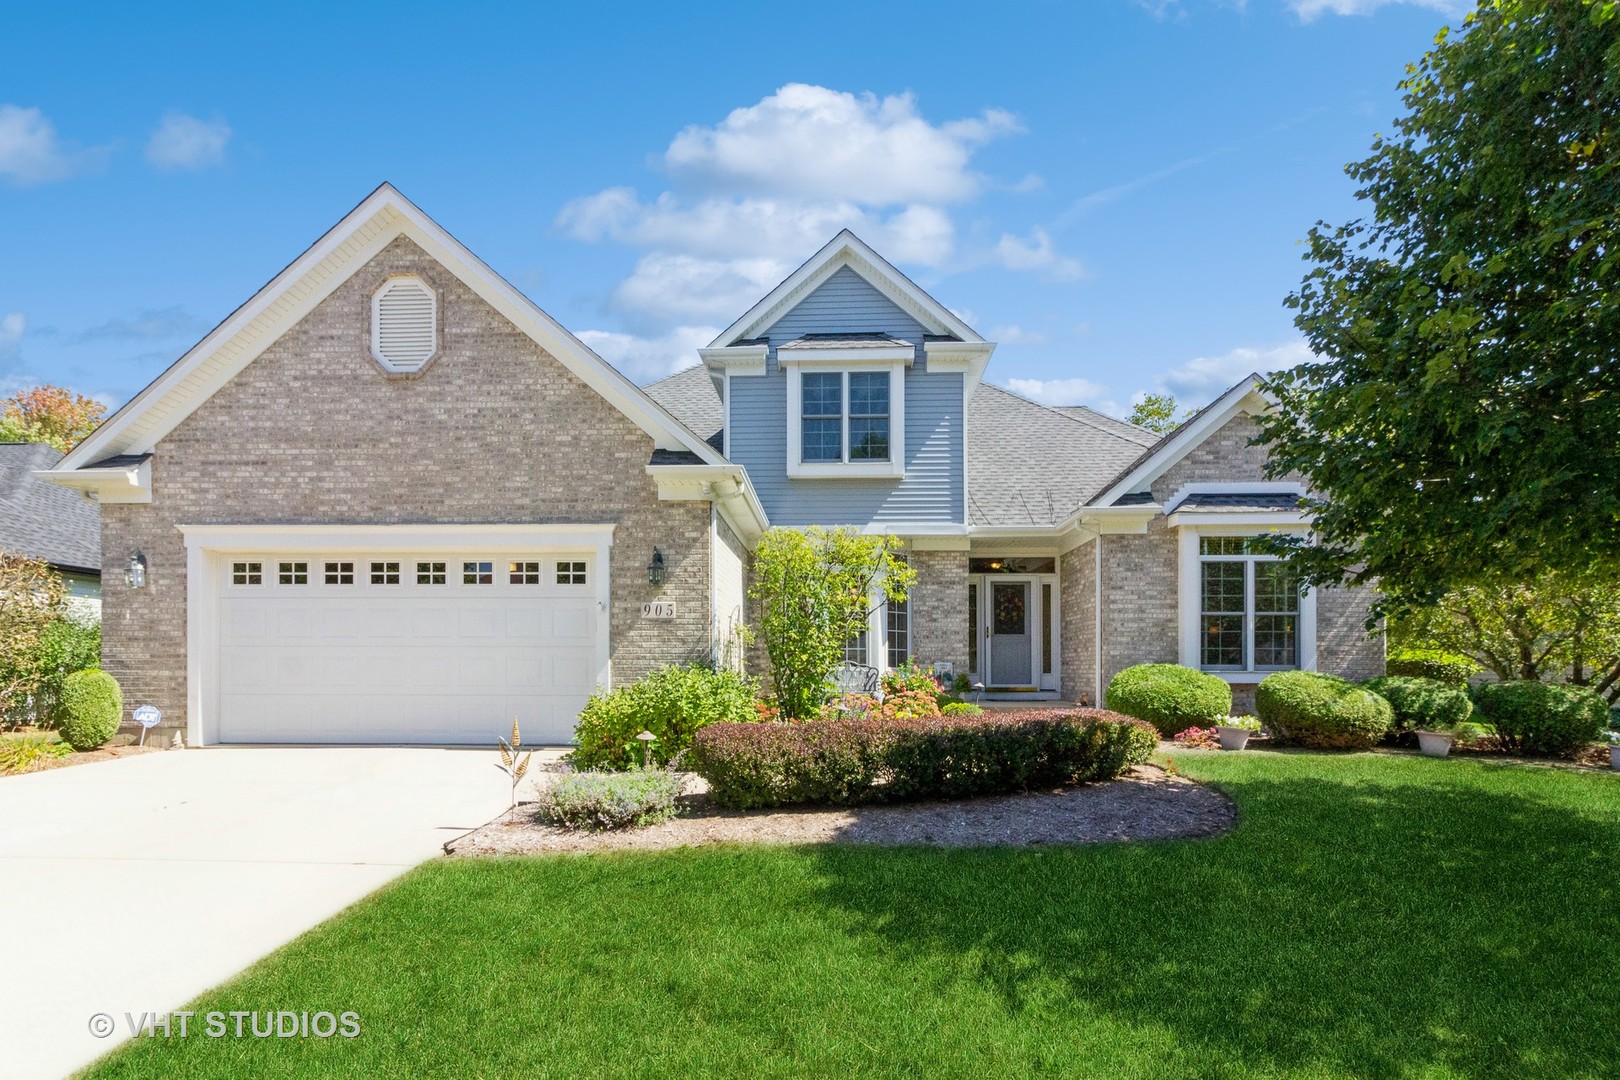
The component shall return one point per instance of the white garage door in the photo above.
(405, 647)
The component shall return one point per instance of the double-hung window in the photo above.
(1249, 607)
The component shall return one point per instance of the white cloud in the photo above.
(1013, 334)
(1036, 252)
(752, 196)
(1310, 10)
(1200, 379)
(816, 143)
(13, 326)
(152, 323)
(186, 142)
(645, 359)
(1066, 392)
(31, 152)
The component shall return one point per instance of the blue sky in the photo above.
(1114, 190)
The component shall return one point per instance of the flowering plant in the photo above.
(1197, 738)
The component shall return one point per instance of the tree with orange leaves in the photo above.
(49, 414)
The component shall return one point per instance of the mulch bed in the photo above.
(121, 746)
(1145, 804)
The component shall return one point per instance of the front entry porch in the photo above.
(1014, 636)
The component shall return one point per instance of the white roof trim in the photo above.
(384, 215)
(1233, 487)
(1260, 519)
(1246, 396)
(846, 249)
(727, 486)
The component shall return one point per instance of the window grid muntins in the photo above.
(570, 573)
(247, 573)
(339, 573)
(897, 628)
(293, 573)
(822, 417)
(478, 573)
(430, 573)
(869, 416)
(1249, 607)
(385, 573)
(523, 573)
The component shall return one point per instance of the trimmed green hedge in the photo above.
(1437, 664)
(1169, 696)
(672, 703)
(1422, 704)
(1321, 711)
(89, 710)
(864, 761)
(1543, 718)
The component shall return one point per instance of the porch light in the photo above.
(655, 569)
(135, 570)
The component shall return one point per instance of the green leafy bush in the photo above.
(960, 708)
(62, 647)
(909, 705)
(1447, 667)
(1169, 696)
(1420, 704)
(910, 677)
(21, 755)
(91, 706)
(1542, 718)
(610, 800)
(1322, 711)
(672, 703)
(874, 760)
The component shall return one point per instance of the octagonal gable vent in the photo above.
(404, 324)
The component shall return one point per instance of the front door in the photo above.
(1012, 651)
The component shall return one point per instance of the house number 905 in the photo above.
(658, 609)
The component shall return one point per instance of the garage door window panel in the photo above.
(292, 573)
(478, 573)
(385, 573)
(339, 573)
(524, 573)
(247, 573)
(571, 573)
(430, 573)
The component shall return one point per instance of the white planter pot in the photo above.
(1614, 756)
(1233, 738)
(1434, 743)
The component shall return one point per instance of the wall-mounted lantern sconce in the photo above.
(135, 570)
(655, 569)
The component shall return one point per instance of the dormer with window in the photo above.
(846, 412)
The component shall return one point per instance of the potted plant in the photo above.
(1436, 743)
(1613, 735)
(1236, 731)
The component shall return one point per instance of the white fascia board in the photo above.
(928, 542)
(336, 538)
(1245, 396)
(131, 485)
(1233, 487)
(189, 385)
(1114, 519)
(736, 359)
(728, 487)
(873, 528)
(1270, 519)
(885, 354)
(969, 356)
(847, 249)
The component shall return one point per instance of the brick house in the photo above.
(390, 500)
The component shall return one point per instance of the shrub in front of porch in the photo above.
(91, 706)
(1324, 712)
(1170, 697)
(873, 760)
(1543, 718)
(672, 703)
(1420, 704)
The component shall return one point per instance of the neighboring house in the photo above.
(391, 500)
(44, 521)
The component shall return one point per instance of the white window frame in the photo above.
(1190, 597)
(797, 466)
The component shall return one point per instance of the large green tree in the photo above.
(1463, 420)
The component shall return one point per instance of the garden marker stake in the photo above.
(512, 763)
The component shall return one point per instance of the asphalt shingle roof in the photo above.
(690, 396)
(1241, 502)
(41, 519)
(1033, 465)
(843, 341)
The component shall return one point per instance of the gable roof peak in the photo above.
(847, 249)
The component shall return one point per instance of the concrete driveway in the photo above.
(135, 884)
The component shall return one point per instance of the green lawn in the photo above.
(1373, 915)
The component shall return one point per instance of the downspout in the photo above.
(1096, 612)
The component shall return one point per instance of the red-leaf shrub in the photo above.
(874, 760)
(1199, 738)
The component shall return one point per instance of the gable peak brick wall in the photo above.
(313, 431)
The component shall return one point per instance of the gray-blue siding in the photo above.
(930, 492)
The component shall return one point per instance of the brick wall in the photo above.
(939, 608)
(1077, 574)
(493, 431)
